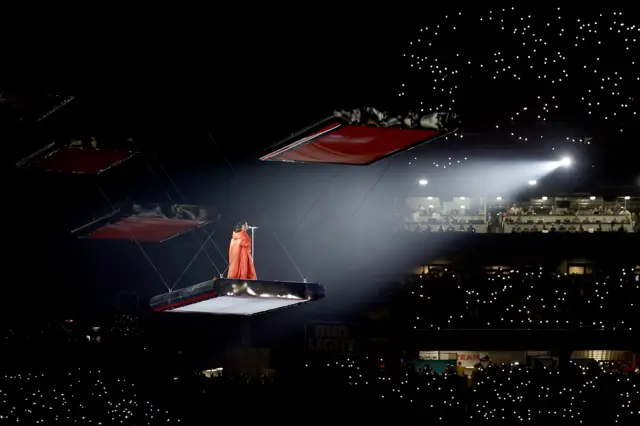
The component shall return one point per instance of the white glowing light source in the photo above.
(423, 182)
(592, 198)
(565, 162)
(627, 198)
(498, 198)
(533, 182)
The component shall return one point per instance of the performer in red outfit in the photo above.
(240, 257)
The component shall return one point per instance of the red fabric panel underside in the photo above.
(355, 145)
(81, 160)
(145, 229)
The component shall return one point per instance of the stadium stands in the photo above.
(529, 298)
(542, 215)
(579, 391)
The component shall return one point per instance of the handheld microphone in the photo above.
(252, 227)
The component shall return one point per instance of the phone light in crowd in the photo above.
(533, 182)
(423, 182)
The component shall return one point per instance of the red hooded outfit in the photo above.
(240, 258)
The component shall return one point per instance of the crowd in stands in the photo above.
(506, 394)
(613, 218)
(517, 219)
(582, 392)
(68, 331)
(350, 389)
(76, 396)
(533, 298)
(75, 373)
(104, 373)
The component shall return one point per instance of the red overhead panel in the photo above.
(80, 160)
(145, 229)
(351, 144)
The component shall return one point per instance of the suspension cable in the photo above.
(370, 190)
(322, 194)
(153, 172)
(184, 199)
(380, 176)
(259, 211)
(133, 237)
(283, 247)
(184, 271)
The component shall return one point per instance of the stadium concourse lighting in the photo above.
(533, 182)
(423, 182)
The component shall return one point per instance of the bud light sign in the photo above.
(329, 337)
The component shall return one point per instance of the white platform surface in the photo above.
(227, 305)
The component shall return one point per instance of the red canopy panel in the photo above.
(80, 160)
(351, 144)
(145, 229)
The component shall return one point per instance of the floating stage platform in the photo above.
(225, 296)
